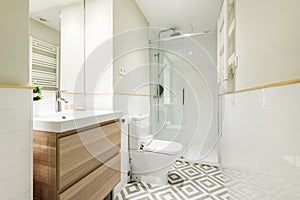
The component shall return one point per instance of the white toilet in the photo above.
(151, 159)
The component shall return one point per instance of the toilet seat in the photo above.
(163, 147)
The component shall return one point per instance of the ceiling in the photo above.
(38, 5)
(67, 2)
(186, 15)
(49, 10)
(52, 15)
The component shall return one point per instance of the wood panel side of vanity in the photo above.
(44, 165)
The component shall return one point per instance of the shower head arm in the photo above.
(186, 35)
(165, 30)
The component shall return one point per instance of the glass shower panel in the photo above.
(183, 100)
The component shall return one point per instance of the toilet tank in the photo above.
(139, 131)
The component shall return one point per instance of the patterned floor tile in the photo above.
(263, 186)
(189, 190)
(204, 182)
(175, 178)
(186, 182)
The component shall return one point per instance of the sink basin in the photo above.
(65, 121)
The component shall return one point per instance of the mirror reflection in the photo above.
(45, 37)
(57, 42)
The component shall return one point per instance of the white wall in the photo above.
(99, 32)
(267, 42)
(15, 104)
(99, 54)
(94, 77)
(72, 48)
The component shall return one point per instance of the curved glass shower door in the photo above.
(183, 95)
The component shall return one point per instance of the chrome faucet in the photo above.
(59, 99)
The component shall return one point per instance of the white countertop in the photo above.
(54, 122)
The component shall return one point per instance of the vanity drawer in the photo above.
(97, 185)
(82, 153)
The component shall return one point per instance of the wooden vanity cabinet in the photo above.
(82, 164)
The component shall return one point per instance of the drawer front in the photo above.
(97, 184)
(81, 153)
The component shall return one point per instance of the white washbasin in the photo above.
(65, 121)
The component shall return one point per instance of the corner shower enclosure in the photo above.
(184, 92)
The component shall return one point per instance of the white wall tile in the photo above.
(261, 128)
(15, 186)
(45, 105)
(13, 142)
(24, 196)
(15, 164)
(14, 99)
(78, 100)
(102, 102)
(14, 120)
(132, 105)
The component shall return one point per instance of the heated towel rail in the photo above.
(45, 64)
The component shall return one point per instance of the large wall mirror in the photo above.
(72, 51)
(57, 44)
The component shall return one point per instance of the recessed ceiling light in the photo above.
(60, 16)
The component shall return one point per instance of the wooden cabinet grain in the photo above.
(77, 164)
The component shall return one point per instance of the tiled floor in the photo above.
(186, 182)
(245, 185)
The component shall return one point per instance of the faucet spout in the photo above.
(62, 99)
(58, 100)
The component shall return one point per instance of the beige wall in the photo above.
(44, 33)
(128, 17)
(268, 42)
(14, 41)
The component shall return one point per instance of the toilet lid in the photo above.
(140, 117)
(164, 147)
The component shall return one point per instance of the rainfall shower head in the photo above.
(175, 34)
(169, 29)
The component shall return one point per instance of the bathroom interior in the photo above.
(137, 99)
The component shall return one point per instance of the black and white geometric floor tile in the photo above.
(247, 185)
(186, 182)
